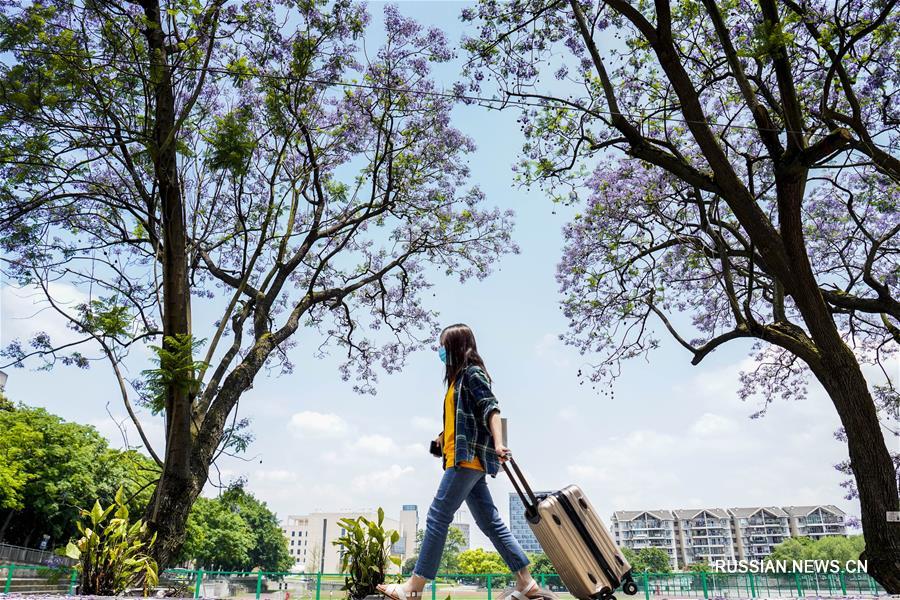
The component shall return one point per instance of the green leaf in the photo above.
(72, 551)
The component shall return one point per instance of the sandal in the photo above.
(532, 592)
(394, 591)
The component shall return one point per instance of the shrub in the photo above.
(112, 552)
(365, 554)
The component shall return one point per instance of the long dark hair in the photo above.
(459, 342)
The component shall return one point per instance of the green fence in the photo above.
(245, 585)
(36, 579)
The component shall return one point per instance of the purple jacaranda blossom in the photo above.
(323, 181)
(677, 169)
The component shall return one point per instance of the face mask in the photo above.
(442, 353)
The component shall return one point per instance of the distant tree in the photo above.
(793, 548)
(270, 550)
(540, 564)
(478, 560)
(456, 539)
(51, 468)
(654, 560)
(409, 564)
(631, 556)
(314, 559)
(837, 548)
(701, 566)
(217, 537)
(235, 532)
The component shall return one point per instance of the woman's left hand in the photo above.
(503, 452)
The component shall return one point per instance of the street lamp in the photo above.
(3, 377)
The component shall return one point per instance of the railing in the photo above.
(327, 586)
(38, 579)
(825, 521)
(21, 555)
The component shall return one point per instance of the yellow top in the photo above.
(450, 435)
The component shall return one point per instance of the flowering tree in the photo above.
(193, 170)
(739, 166)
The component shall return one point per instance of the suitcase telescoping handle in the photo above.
(530, 502)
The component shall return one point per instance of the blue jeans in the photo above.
(458, 484)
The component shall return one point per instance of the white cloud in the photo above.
(316, 424)
(386, 478)
(710, 424)
(275, 475)
(373, 447)
(376, 444)
(699, 448)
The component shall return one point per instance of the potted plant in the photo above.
(365, 550)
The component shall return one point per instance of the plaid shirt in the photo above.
(474, 404)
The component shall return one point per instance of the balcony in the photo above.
(707, 533)
(643, 525)
(707, 523)
(824, 520)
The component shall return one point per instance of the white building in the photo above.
(708, 534)
(703, 535)
(638, 529)
(757, 530)
(816, 522)
(310, 539)
(409, 525)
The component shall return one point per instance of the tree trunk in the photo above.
(175, 497)
(178, 486)
(6, 524)
(838, 370)
(873, 469)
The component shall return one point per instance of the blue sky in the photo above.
(675, 436)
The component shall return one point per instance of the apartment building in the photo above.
(816, 522)
(707, 534)
(756, 530)
(310, 539)
(703, 534)
(646, 529)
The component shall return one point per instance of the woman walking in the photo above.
(472, 448)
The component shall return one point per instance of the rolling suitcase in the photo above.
(575, 540)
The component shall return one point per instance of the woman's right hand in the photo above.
(503, 452)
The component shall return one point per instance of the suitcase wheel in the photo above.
(630, 588)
